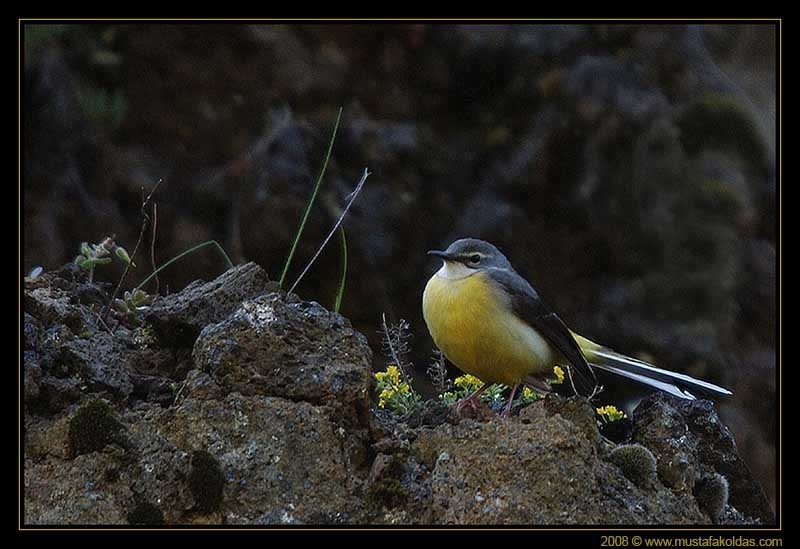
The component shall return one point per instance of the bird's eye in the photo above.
(475, 259)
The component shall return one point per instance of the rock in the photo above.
(688, 437)
(56, 393)
(263, 447)
(31, 375)
(179, 318)
(269, 422)
(92, 427)
(541, 471)
(30, 332)
(79, 492)
(51, 305)
(297, 350)
(101, 361)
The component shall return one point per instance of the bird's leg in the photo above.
(507, 408)
(457, 406)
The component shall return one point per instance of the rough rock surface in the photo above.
(537, 469)
(271, 346)
(689, 441)
(270, 423)
(178, 318)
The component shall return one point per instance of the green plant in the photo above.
(206, 481)
(311, 200)
(92, 255)
(467, 384)
(337, 226)
(92, 427)
(130, 308)
(636, 462)
(393, 392)
(610, 413)
(184, 254)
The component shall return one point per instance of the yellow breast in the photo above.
(471, 322)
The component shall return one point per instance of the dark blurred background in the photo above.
(628, 171)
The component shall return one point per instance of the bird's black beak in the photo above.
(442, 255)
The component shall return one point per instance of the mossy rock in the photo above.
(636, 462)
(206, 481)
(711, 494)
(146, 514)
(93, 426)
(388, 492)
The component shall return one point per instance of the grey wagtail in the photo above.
(491, 323)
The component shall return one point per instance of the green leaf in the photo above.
(122, 254)
(311, 200)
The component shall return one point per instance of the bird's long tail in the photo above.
(679, 385)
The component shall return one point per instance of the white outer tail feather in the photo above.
(647, 374)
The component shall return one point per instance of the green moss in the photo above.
(711, 494)
(636, 462)
(388, 492)
(721, 121)
(146, 514)
(206, 481)
(92, 427)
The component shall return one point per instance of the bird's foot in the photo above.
(471, 401)
(507, 407)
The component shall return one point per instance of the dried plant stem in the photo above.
(333, 230)
(145, 220)
(153, 244)
(393, 344)
(310, 203)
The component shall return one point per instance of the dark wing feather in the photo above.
(529, 307)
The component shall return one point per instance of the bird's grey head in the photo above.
(467, 256)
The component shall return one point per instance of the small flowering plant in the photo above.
(610, 413)
(395, 393)
(558, 374)
(467, 384)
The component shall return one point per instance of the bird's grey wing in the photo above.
(529, 307)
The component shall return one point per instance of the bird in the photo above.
(490, 322)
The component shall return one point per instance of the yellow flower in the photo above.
(393, 374)
(527, 392)
(610, 413)
(559, 373)
(468, 382)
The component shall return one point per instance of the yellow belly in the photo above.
(470, 322)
